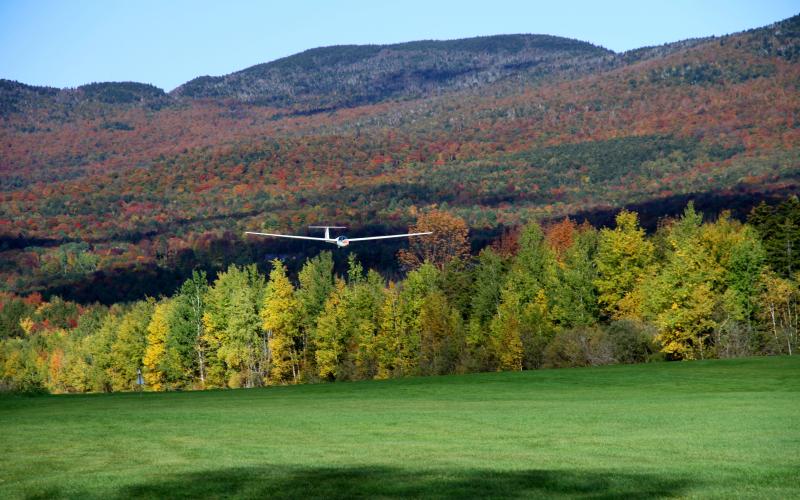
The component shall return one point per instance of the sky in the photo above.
(66, 43)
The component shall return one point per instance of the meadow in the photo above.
(721, 428)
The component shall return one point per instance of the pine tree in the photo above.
(441, 335)
(418, 285)
(779, 227)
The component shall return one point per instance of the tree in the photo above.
(280, 315)
(680, 298)
(316, 284)
(186, 346)
(779, 227)
(506, 333)
(623, 256)
(490, 275)
(779, 300)
(441, 335)
(387, 346)
(100, 350)
(329, 336)
(155, 353)
(128, 348)
(489, 280)
(575, 295)
(416, 288)
(448, 241)
(244, 339)
(232, 328)
(363, 305)
(524, 323)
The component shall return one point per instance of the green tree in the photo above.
(441, 335)
(680, 298)
(779, 227)
(185, 343)
(489, 280)
(575, 294)
(416, 288)
(232, 328)
(129, 345)
(330, 332)
(524, 323)
(623, 257)
(316, 284)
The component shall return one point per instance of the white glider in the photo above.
(340, 241)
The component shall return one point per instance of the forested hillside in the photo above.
(114, 191)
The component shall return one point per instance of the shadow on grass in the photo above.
(387, 482)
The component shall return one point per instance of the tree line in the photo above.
(560, 295)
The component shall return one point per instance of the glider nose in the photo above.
(341, 241)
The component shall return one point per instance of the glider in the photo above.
(340, 241)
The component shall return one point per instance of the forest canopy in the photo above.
(542, 296)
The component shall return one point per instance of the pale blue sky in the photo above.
(65, 43)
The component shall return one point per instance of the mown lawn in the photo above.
(721, 429)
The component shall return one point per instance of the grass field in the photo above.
(697, 429)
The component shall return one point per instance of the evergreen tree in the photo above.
(523, 323)
(489, 280)
(418, 285)
(244, 340)
(779, 227)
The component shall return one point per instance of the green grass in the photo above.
(697, 429)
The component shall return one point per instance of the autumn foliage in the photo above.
(449, 240)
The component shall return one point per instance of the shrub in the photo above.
(632, 341)
(582, 346)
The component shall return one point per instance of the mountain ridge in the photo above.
(375, 73)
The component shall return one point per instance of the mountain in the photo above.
(17, 97)
(351, 75)
(124, 188)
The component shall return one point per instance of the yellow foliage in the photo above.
(156, 347)
(27, 325)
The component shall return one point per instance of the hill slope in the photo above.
(500, 129)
